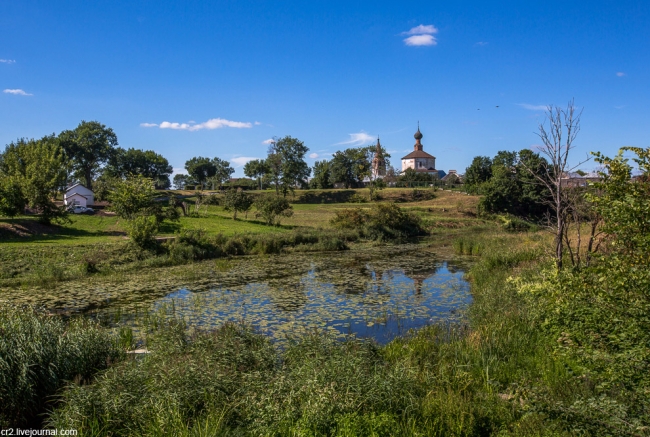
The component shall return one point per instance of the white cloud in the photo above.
(257, 123)
(422, 29)
(481, 43)
(533, 107)
(620, 74)
(213, 123)
(421, 35)
(241, 160)
(420, 40)
(17, 92)
(269, 141)
(178, 170)
(7, 61)
(358, 139)
(313, 155)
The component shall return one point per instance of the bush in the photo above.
(421, 195)
(384, 221)
(193, 245)
(142, 231)
(236, 200)
(272, 209)
(357, 198)
(515, 224)
(39, 354)
(350, 218)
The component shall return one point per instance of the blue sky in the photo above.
(219, 78)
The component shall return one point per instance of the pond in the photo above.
(371, 303)
(377, 292)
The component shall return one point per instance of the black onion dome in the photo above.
(418, 135)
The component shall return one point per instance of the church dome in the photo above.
(418, 135)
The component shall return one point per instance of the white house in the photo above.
(79, 195)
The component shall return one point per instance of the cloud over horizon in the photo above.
(242, 160)
(313, 155)
(269, 141)
(620, 74)
(358, 139)
(16, 92)
(533, 107)
(213, 123)
(8, 61)
(421, 35)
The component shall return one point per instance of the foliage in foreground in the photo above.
(39, 354)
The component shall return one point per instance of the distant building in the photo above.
(571, 179)
(78, 195)
(418, 159)
(378, 162)
(452, 175)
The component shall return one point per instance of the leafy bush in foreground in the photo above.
(39, 354)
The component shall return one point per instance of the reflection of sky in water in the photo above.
(366, 302)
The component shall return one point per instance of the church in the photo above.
(419, 160)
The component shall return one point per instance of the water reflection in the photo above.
(380, 303)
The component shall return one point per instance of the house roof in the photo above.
(67, 190)
(74, 194)
(418, 154)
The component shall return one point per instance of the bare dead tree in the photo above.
(557, 132)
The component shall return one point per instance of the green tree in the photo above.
(222, 172)
(200, 169)
(514, 185)
(479, 171)
(133, 197)
(272, 208)
(89, 146)
(145, 163)
(322, 175)
(349, 167)
(624, 203)
(256, 169)
(12, 200)
(39, 167)
(181, 180)
(286, 164)
(237, 200)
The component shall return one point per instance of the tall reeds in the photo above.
(39, 354)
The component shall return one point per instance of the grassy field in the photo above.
(448, 209)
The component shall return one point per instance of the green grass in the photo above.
(447, 380)
(39, 354)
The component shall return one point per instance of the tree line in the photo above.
(34, 171)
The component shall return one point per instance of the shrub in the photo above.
(39, 354)
(193, 245)
(515, 224)
(357, 198)
(142, 231)
(384, 221)
(421, 195)
(272, 209)
(350, 218)
(237, 201)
